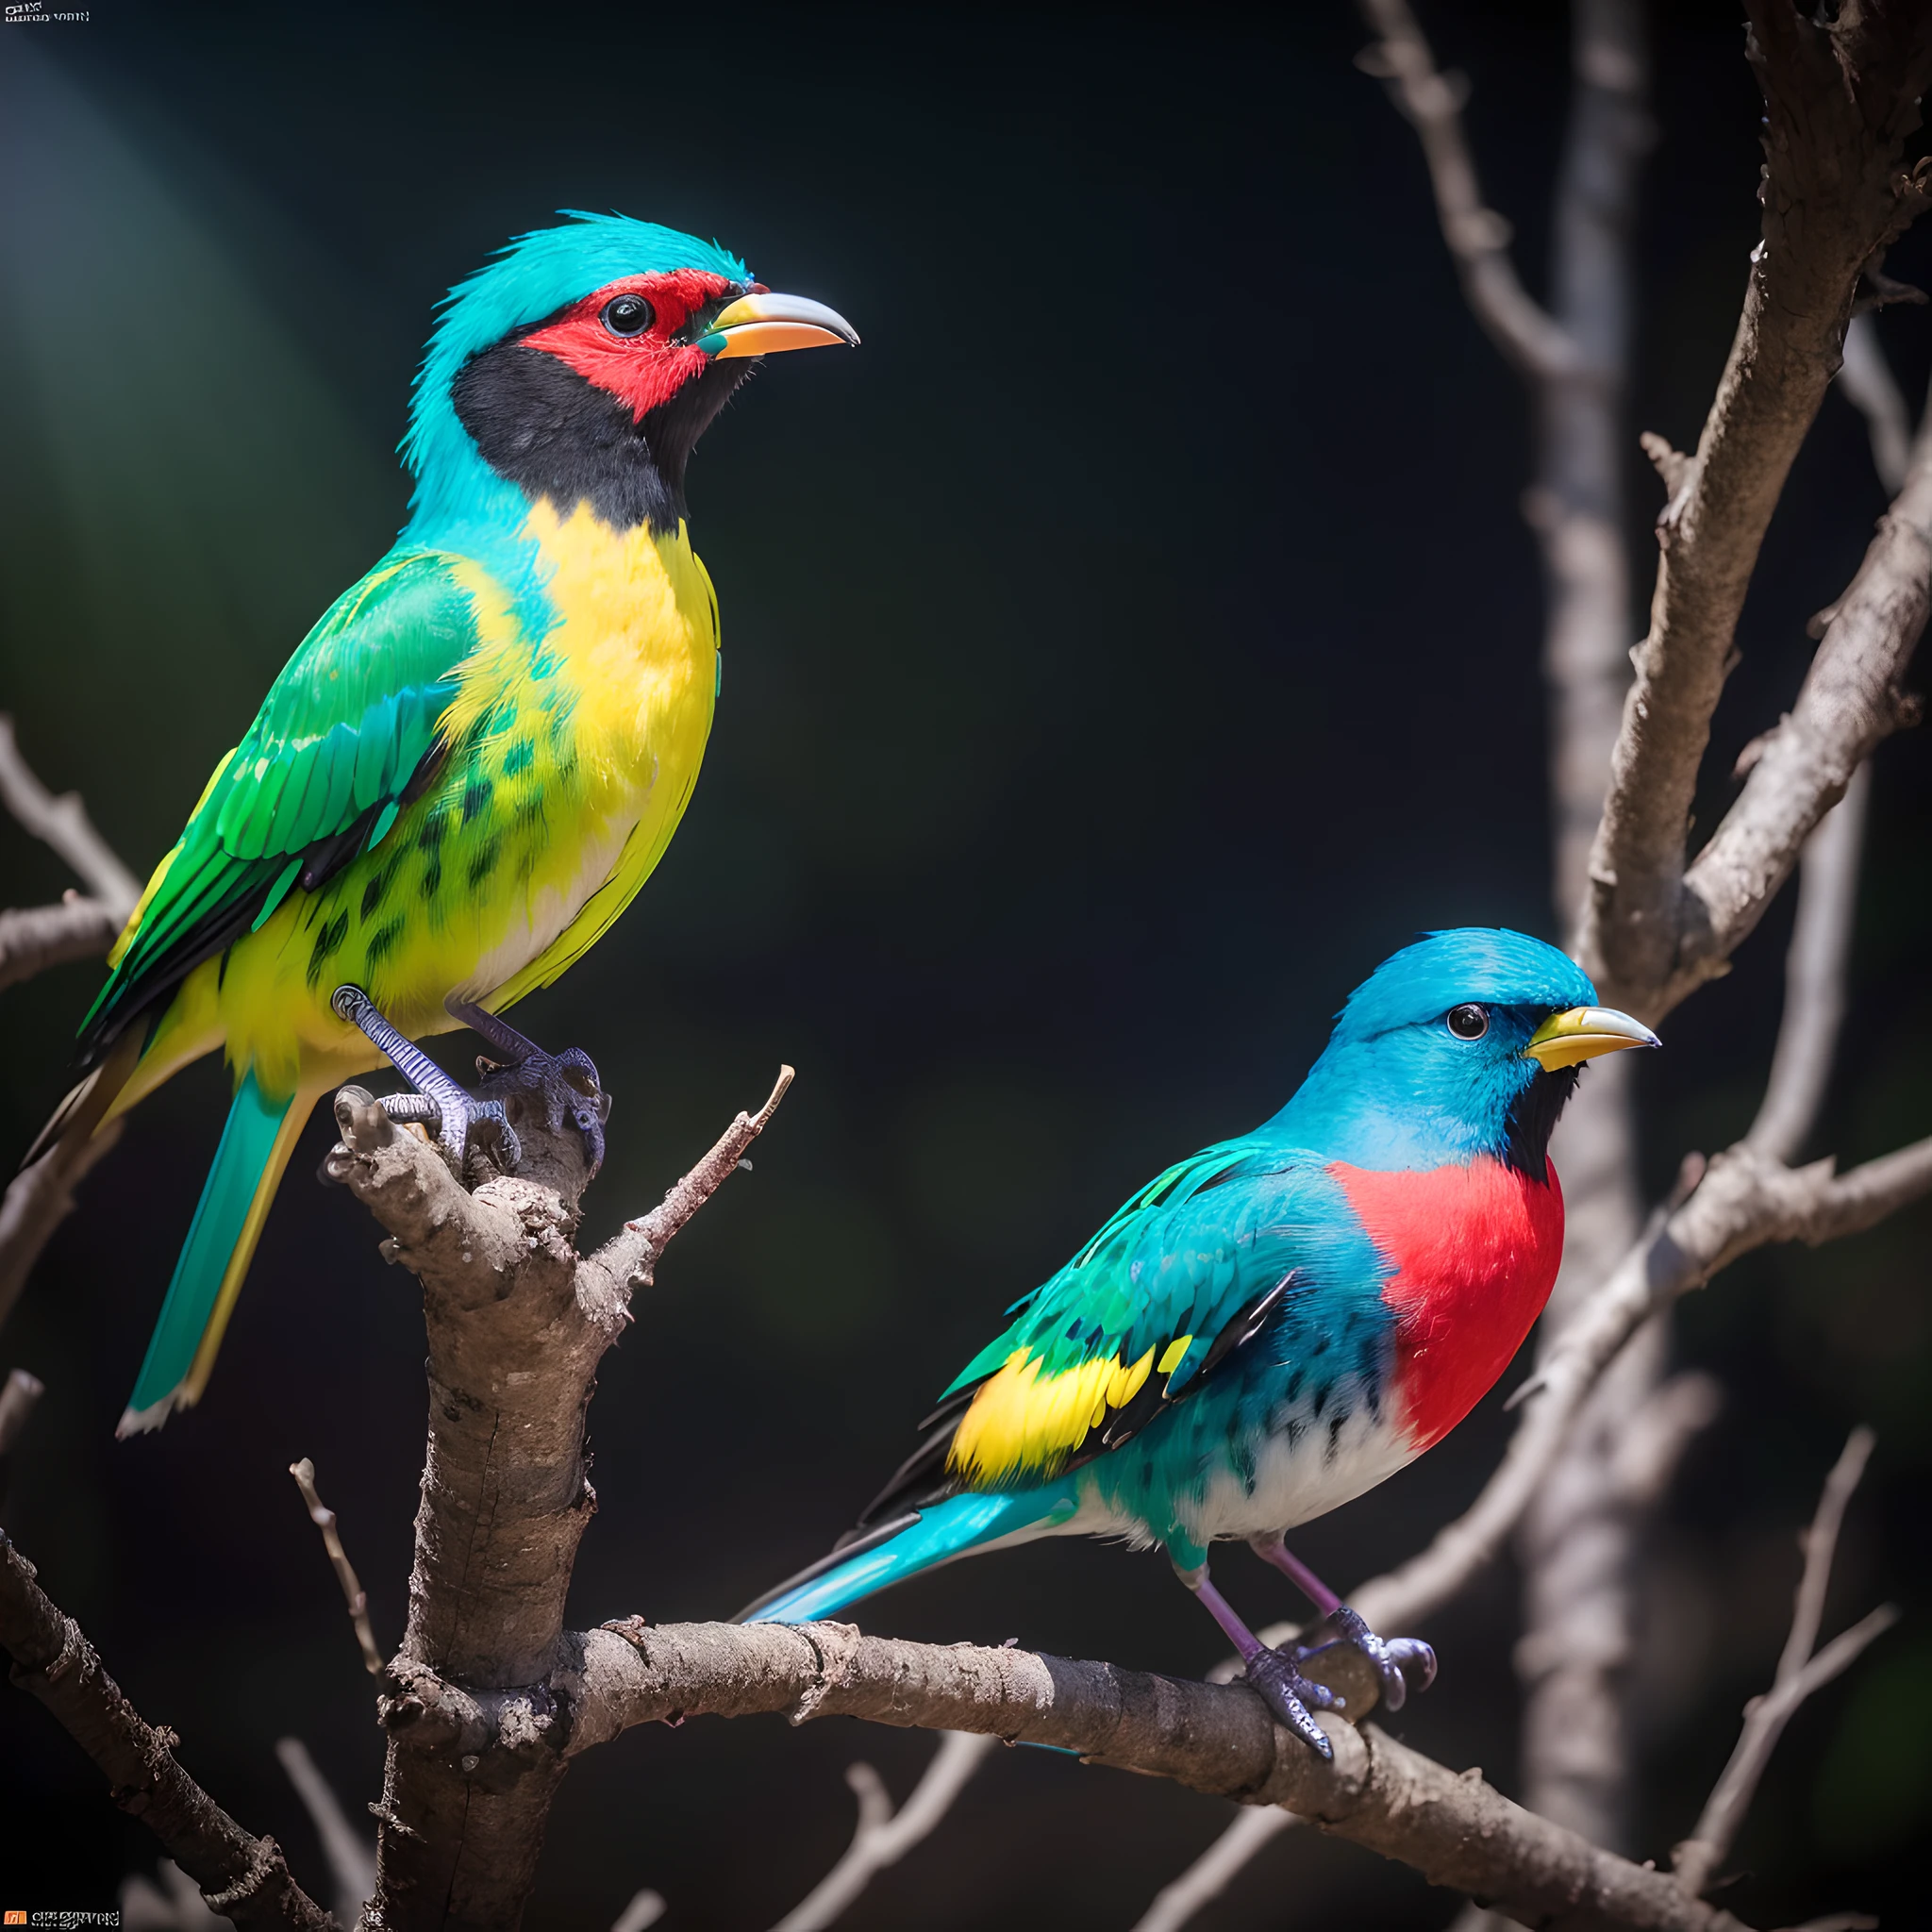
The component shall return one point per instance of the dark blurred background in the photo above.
(1130, 645)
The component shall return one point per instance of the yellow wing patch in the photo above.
(1020, 1422)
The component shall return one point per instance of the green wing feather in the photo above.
(1168, 1263)
(343, 733)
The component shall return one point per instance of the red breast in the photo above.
(1475, 1252)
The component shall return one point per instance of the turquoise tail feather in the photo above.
(254, 1150)
(934, 1536)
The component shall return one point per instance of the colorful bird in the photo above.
(1278, 1324)
(476, 757)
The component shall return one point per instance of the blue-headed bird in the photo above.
(476, 757)
(1279, 1323)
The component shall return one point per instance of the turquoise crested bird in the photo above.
(476, 757)
(1279, 1323)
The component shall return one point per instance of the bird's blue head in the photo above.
(1465, 1045)
(581, 366)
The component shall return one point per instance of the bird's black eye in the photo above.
(629, 315)
(1469, 1023)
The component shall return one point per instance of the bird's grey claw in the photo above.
(1289, 1694)
(489, 1131)
(1396, 1659)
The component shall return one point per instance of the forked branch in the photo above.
(1802, 1669)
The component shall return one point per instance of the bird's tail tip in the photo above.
(918, 1540)
(145, 1421)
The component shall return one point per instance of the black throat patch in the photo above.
(554, 434)
(1533, 1118)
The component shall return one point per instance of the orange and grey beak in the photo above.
(764, 325)
(1566, 1040)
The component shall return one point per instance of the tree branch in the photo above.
(1455, 1829)
(516, 1324)
(244, 1877)
(38, 1199)
(1478, 238)
(1868, 384)
(1839, 100)
(62, 822)
(354, 1596)
(1850, 701)
(883, 1837)
(351, 1856)
(1799, 1674)
(1815, 972)
(1211, 1874)
(35, 938)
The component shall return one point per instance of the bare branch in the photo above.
(1211, 1874)
(1840, 101)
(884, 1836)
(1850, 701)
(1867, 382)
(1815, 969)
(1799, 1674)
(1455, 1829)
(1652, 1443)
(353, 1593)
(1478, 238)
(63, 823)
(516, 1324)
(18, 1400)
(37, 1200)
(36, 938)
(351, 1856)
(244, 1877)
(645, 1908)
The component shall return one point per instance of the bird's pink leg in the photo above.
(1272, 1673)
(1276, 1550)
(1390, 1657)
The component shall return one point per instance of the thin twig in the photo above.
(1215, 1870)
(62, 823)
(351, 1856)
(18, 1397)
(1867, 382)
(1815, 970)
(1800, 1672)
(1477, 236)
(883, 1837)
(645, 1908)
(354, 1595)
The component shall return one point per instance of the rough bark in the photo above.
(1452, 1828)
(516, 1324)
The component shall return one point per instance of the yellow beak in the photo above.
(1564, 1040)
(764, 325)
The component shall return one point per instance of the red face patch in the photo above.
(641, 370)
(1476, 1251)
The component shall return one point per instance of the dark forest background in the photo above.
(1129, 646)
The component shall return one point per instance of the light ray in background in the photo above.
(144, 365)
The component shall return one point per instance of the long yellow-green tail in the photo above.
(256, 1146)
